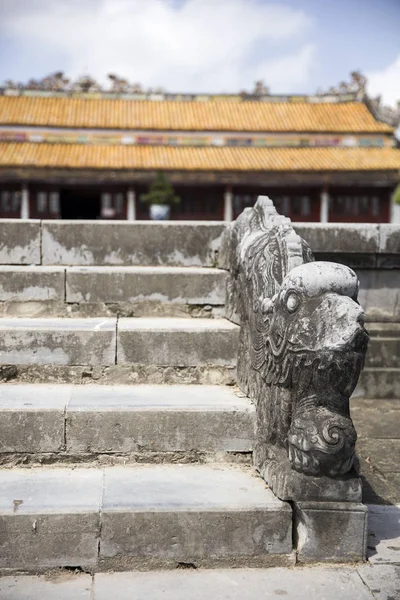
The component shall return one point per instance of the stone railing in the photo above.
(301, 350)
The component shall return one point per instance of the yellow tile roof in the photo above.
(79, 156)
(351, 117)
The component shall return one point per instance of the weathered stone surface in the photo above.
(234, 584)
(302, 347)
(189, 513)
(130, 243)
(19, 242)
(49, 518)
(142, 308)
(330, 531)
(389, 240)
(188, 285)
(289, 484)
(383, 353)
(177, 342)
(61, 586)
(388, 261)
(382, 580)
(27, 284)
(378, 383)
(57, 341)
(384, 535)
(343, 238)
(119, 374)
(158, 418)
(353, 260)
(32, 417)
(376, 418)
(385, 330)
(383, 454)
(380, 294)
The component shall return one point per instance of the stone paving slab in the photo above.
(383, 454)
(177, 342)
(382, 580)
(31, 284)
(378, 419)
(33, 397)
(57, 341)
(384, 534)
(50, 490)
(61, 586)
(236, 584)
(193, 285)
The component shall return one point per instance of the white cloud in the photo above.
(288, 73)
(386, 83)
(195, 45)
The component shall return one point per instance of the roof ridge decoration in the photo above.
(358, 86)
(58, 84)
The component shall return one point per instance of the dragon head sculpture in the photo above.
(302, 346)
(315, 344)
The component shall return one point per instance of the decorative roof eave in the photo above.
(358, 87)
(351, 117)
(198, 158)
(69, 176)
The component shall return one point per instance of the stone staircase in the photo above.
(111, 475)
(118, 463)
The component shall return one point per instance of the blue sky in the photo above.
(295, 46)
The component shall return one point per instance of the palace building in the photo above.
(75, 151)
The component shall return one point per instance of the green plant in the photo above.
(160, 192)
(396, 196)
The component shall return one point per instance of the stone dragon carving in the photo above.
(302, 348)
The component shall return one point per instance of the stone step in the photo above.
(184, 285)
(174, 243)
(32, 283)
(378, 383)
(131, 286)
(71, 421)
(120, 243)
(383, 352)
(378, 329)
(57, 341)
(176, 342)
(143, 516)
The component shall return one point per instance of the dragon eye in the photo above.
(292, 302)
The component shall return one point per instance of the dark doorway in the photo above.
(80, 204)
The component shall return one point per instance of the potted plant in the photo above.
(160, 198)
